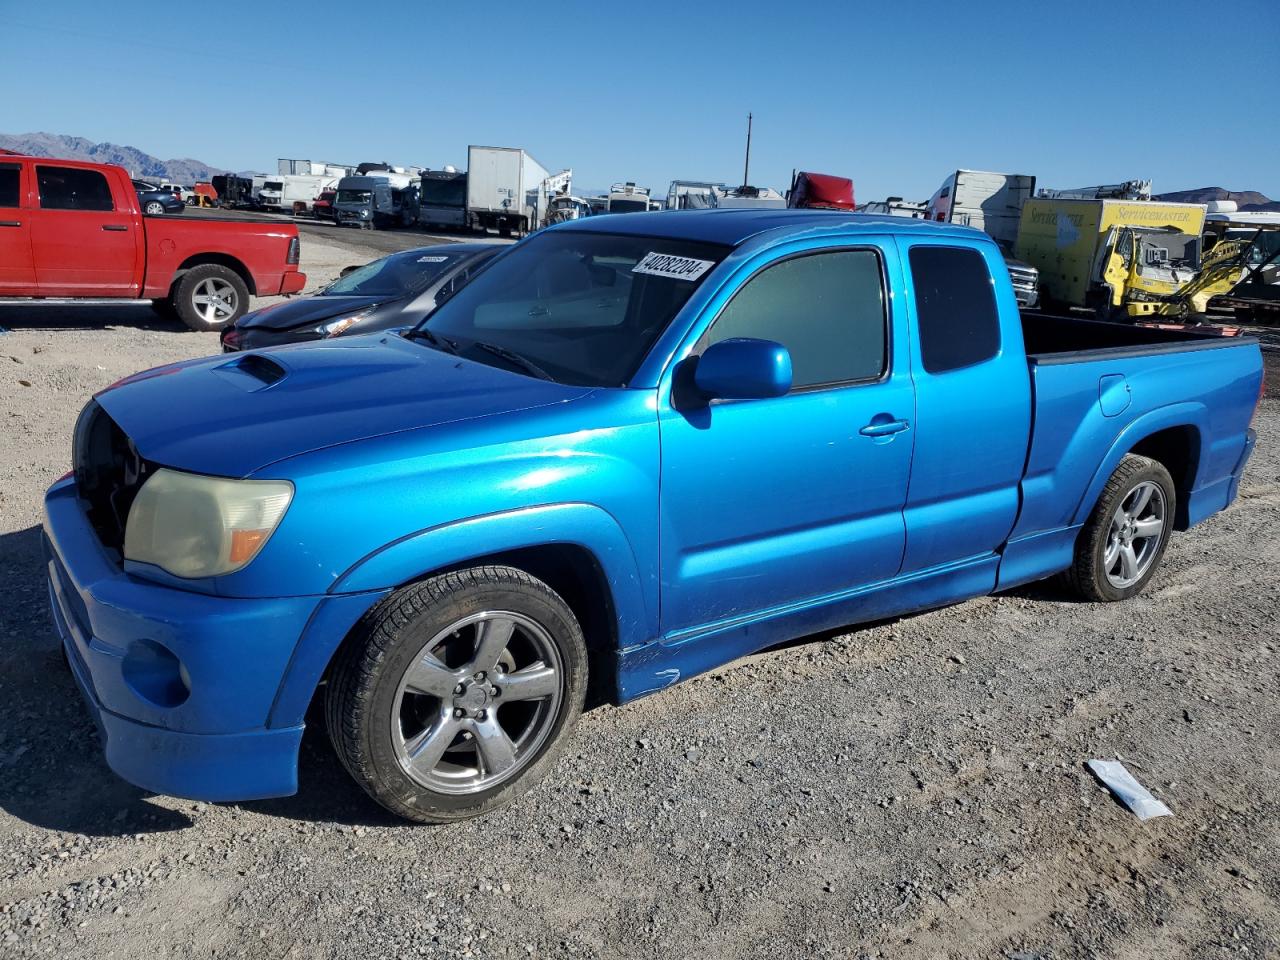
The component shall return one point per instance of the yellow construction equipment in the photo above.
(1120, 258)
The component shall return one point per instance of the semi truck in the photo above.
(509, 191)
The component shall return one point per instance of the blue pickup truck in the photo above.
(631, 450)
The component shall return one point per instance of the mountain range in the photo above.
(139, 164)
(1246, 200)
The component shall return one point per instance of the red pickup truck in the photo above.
(73, 231)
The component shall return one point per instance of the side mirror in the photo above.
(743, 369)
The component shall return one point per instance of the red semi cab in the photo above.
(71, 230)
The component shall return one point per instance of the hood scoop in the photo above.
(252, 371)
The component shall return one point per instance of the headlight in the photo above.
(196, 526)
(364, 213)
(334, 327)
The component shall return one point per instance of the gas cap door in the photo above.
(1114, 395)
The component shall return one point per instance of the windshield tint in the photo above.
(585, 307)
(397, 275)
(354, 196)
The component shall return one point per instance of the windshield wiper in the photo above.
(440, 343)
(511, 356)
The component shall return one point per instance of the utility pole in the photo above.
(746, 166)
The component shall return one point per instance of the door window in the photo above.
(955, 307)
(70, 188)
(10, 177)
(827, 309)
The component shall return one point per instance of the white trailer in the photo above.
(304, 189)
(506, 189)
(991, 202)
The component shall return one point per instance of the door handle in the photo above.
(115, 227)
(10, 223)
(884, 428)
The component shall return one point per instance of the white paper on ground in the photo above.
(1131, 793)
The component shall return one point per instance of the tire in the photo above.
(1101, 570)
(153, 208)
(210, 297)
(377, 719)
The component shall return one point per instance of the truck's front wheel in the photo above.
(455, 694)
(210, 297)
(1125, 537)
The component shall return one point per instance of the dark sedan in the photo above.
(395, 291)
(156, 202)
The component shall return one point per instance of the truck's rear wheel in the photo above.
(454, 695)
(210, 297)
(1125, 537)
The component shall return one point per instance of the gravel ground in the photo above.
(910, 790)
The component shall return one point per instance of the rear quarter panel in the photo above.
(1076, 446)
(260, 247)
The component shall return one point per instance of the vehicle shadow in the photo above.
(15, 316)
(52, 773)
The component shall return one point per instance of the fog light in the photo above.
(155, 674)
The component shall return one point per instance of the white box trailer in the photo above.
(304, 189)
(505, 190)
(991, 202)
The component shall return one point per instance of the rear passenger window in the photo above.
(10, 175)
(827, 309)
(956, 307)
(69, 188)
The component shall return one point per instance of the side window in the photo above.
(10, 177)
(69, 188)
(955, 306)
(827, 309)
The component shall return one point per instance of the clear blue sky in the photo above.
(892, 94)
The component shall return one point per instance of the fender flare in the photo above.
(579, 524)
(1190, 414)
(409, 558)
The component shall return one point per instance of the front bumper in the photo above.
(180, 684)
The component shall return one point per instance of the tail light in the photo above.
(294, 247)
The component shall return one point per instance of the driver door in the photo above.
(772, 502)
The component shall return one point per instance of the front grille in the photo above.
(109, 472)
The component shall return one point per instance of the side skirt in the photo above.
(656, 665)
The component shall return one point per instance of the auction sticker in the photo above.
(668, 265)
(432, 259)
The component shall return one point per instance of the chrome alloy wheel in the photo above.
(215, 301)
(477, 703)
(1133, 540)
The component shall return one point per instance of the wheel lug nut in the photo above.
(480, 675)
(459, 689)
(482, 714)
(497, 691)
(459, 713)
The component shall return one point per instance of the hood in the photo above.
(306, 312)
(232, 416)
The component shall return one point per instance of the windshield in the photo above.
(273, 185)
(354, 196)
(628, 206)
(397, 275)
(444, 193)
(584, 307)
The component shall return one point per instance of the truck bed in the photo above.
(1102, 389)
(1053, 338)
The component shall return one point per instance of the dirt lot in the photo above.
(910, 790)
